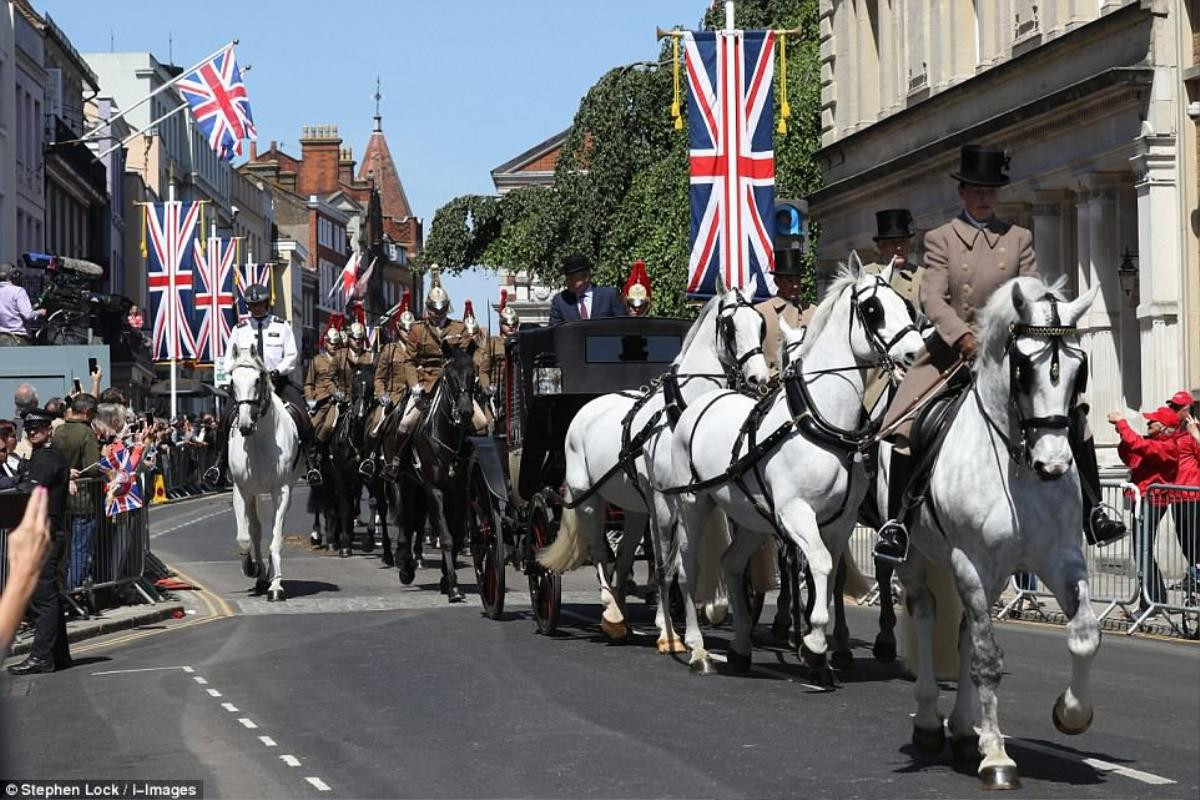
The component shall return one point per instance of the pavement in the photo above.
(360, 687)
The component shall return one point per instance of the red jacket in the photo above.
(1149, 460)
(1187, 457)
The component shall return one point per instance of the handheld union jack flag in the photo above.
(121, 490)
(219, 102)
(730, 108)
(214, 300)
(169, 227)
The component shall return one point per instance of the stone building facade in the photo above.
(1095, 101)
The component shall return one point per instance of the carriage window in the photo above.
(622, 349)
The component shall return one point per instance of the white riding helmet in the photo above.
(333, 338)
(357, 332)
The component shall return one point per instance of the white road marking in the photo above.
(213, 693)
(230, 707)
(320, 785)
(199, 680)
(291, 761)
(191, 521)
(188, 670)
(1094, 763)
(143, 669)
(267, 740)
(768, 668)
(247, 722)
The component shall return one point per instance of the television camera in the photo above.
(73, 311)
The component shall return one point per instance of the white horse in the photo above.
(726, 338)
(264, 455)
(1003, 496)
(805, 485)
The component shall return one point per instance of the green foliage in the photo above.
(621, 183)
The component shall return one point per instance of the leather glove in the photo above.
(417, 391)
(384, 400)
(274, 374)
(312, 406)
(967, 346)
(339, 396)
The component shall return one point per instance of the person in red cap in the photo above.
(638, 294)
(1151, 459)
(1185, 504)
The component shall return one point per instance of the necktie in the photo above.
(583, 309)
(261, 354)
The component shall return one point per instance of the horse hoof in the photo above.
(1060, 708)
(884, 651)
(965, 748)
(929, 741)
(456, 595)
(276, 595)
(812, 660)
(673, 645)
(702, 666)
(314, 540)
(249, 566)
(842, 659)
(823, 677)
(740, 663)
(260, 586)
(1002, 776)
(343, 552)
(779, 631)
(408, 573)
(617, 631)
(388, 559)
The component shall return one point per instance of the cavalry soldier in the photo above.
(788, 301)
(391, 382)
(893, 236)
(967, 259)
(424, 354)
(498, 356)
(359, 355)
(326, 384)
(272, 339)
(638, 291)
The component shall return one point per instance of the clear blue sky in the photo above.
(467, 85)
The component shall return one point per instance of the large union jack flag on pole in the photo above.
(169, 228)
(730, 111)
(214, 315)
(219, 102)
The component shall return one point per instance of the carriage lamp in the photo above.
(547, 380)
(1127, 274)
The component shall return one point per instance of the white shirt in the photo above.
(278, 343)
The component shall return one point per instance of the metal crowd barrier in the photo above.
(182, 467)
(1169, 556)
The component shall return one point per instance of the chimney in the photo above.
(253, 150)
(319, 153)
(346, 166)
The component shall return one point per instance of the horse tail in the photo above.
(948, 610)
(569, 548)
(714, 541)
(856, 584)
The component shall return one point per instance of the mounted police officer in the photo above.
(967, 259)
(788, 301)
(272, 339)
(893, 237)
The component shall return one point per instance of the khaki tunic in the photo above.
(424, 363)
(795, 316)
(907, 283)
(483, 359)
(327, 374)
(963, 267)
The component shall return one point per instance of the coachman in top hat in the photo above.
(966, 260)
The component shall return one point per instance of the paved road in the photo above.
(358, 687)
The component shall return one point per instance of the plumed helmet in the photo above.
(407, 320)
(469, 318)
(437, 300)
(358, 331)
(333, 337)
(508, 314)
(257, 293)
(637, 288)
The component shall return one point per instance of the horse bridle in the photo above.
(258, 404)
(868, 310)
(727, 330)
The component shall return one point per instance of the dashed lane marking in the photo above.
(230, 707)
(291, 761)
(267, 740)
(247, 723)
(1094, 763)
(213, 693)
(200, 680)
(191, 521)
(143, 669)
(320, 785)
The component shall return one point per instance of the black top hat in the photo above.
(982, 166)
(893, 223)
(576, 263)
(789, 261)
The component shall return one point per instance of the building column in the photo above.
(1160, 266)
(1097, 242)
(1049, 235)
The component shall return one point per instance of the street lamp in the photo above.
(1127, 274)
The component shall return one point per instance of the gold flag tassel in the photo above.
(201, 239)
(145, 211)
(785, 108)
(676, 112)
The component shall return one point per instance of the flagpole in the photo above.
(173, 328)
(139, 132)
(90, 134)
(729, 15)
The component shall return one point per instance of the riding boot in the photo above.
(1099, 528)
(216, 473)
(309, 444)
(893, 536)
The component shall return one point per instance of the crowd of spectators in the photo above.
(1168, 454)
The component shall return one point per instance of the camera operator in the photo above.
(15, 309)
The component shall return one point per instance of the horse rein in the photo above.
(726, 330)
(262, 402)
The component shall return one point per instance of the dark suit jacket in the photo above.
(606, 302)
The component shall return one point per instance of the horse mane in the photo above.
(707, 311)
(998, 315)
(841, 282)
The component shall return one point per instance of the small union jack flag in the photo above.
(121, 490)
(219, 103)
(730, 110)
(214, 300)
(169, 227)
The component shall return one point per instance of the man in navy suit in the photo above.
(582, 300)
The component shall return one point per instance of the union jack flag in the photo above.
(169, 226)
(730, 108)
(214, 302)
(219, 103)
(121, 490)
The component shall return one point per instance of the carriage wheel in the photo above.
(545, 587)
(487, 543)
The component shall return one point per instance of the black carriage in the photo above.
(516, 478)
